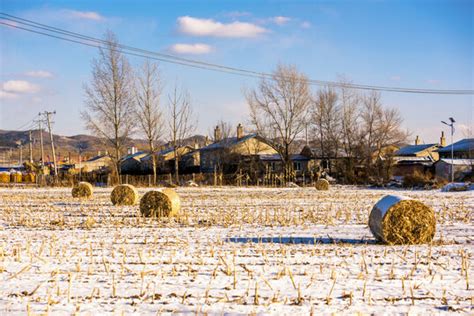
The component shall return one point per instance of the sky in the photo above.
(414, 44)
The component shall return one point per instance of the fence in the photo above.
(201, 179)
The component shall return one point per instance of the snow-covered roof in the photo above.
(136, 155)
(413, 149)
(459, 162)
(464, 145)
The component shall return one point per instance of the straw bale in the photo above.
(399, 220)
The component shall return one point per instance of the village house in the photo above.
(101, 162)
(131, 163)
(462, 164)
(165, 160)
(418, 157)
(226, 155)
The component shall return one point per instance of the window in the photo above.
(297, 165)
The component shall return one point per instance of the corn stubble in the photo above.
(300, 251)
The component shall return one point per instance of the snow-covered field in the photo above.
(232, 250)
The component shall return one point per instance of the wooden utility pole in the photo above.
(48, 121)
(30, 146)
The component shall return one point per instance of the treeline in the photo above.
(353, 130)
(347, 126)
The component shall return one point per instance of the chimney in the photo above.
(217, 134)
(417, 140)
(442, 140)
(240, 131)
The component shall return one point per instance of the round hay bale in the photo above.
(397, 220)
(161, 203)
(29, 177)
(322, 185)
(16, 177)
(124, 194)
(82, 190)
(4, 177)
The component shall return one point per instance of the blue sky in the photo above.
(416, 44)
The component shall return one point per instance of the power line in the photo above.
(138, 52)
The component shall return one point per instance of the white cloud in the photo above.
(19, 87)
(6, 95)
(86, 15)
(208, 27)
(395, 78)
(305, 25)
(280, 20)
(195, 49)
(39, 74)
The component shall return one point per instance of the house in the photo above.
(418, 157)
(463, 168)
(300, 163)
(463, 162)
(191, 161)
(225, 155)
(131, 163)
(320, 160)
(463, 149)
(165, 159)
(100, 162)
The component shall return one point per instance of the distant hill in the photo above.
(67, 145)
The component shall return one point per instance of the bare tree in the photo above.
(182, 122)
(279, 108)
(149, 115)
(349, 104)
(326, 121)
(109, 99)
(226, 130)
(381, 128)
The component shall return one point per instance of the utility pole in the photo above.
(41, 139)
(48, 121)
(30, 146)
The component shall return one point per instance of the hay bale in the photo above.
(4, 177)
(322, 185)
(124, 194)
(82, 190)
(161, 203)
(16, 177)
(398, 220)
(29, 177)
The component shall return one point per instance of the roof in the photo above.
(229, 142)
(458, 162)
(137, 155)
(316, 152)
(466, 144)
(277, 157)
(97, 158)
(413, 149)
